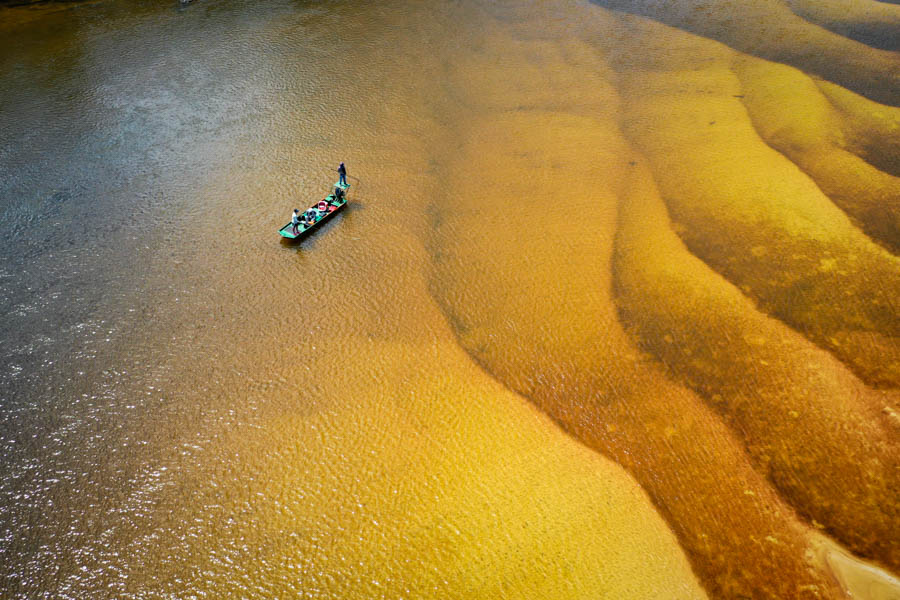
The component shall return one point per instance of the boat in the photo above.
(324, 209)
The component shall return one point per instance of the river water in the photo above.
(612, 312)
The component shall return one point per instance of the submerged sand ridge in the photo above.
(398, 484)
(350, 507)
(570, 339)
(328, 436)
(752, 214)
(805, 419)
(794, 116)
(770, 29)
(560, 375)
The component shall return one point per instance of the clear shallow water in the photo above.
(192, 407)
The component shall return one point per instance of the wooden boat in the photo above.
(325, 209)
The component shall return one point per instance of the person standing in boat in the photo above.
(342, 171)
(295, 221)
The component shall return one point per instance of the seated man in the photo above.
(338, 194)
(310, 217)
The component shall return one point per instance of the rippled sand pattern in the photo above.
(771, 29)
(826, 278)
(745, 319)
(612, 313)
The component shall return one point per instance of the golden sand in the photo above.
(792, 115)
(769, 29)
(729, 193)
(571, 357)
(784, 397)
(612, 314)
(407, 471)
(807, 422)
(439, 483)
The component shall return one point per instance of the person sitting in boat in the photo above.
(310, 217)
(338, 194)
(295, 221)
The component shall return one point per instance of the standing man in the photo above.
(342, 171)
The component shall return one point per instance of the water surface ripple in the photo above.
(613, 311)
